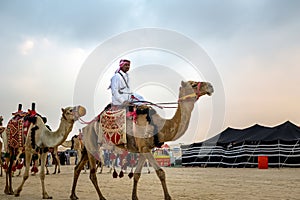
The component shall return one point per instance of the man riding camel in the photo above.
(120, 89)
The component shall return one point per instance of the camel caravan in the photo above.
(135, 128)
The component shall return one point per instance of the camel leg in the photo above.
(160, 173)
(8, 186)
(101, 163)
(148, 167)
(28, 156)
(47, 170)
(1, 158)
(80, 165)
(93, 176)
(42, 176)
(137, 175)
(57, 162)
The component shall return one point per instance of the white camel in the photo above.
(40, 138)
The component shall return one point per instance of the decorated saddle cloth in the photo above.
(17, 129)
(113, 125)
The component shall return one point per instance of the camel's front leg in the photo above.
(77, 170)
(93, 176)
(42, 176)
(28, 156)
(8, 186)
(1, 159)
(137, 175)
(160, 173)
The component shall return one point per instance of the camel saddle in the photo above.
(17, 129)
(113, 125)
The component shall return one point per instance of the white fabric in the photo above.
(118, 84)
(119, 90)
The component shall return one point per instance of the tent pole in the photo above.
(279, 154)
(238, 152)
(209, 157)
(290, 153)
(252, 154)
(223, 154)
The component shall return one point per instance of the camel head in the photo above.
(194, 90)
(71, 114)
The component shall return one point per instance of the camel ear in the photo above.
(63, 110)
(183, 83)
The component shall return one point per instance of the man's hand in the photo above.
(126, 103)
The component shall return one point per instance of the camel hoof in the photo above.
(47, 197)
(73, 197)
(168, 197)
(8, 191)
(135, 198)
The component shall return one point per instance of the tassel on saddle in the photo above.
(115, 174)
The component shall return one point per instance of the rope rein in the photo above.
(193, 95)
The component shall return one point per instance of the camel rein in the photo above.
(197, 95)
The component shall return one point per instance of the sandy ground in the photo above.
(183, 183)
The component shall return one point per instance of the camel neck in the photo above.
(175, 127)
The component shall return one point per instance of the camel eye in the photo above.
(195, 85)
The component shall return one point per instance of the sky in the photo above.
(62, 53)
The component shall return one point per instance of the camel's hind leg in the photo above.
(28, 156)
(100, 163)
(56, 160)
(160, 173)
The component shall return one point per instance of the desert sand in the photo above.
(183, 183)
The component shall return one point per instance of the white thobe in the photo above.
(119, 90)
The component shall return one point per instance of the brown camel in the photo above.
(39, 139)
(146, 136)
(54, 154)
(75, 144)
(2, 129)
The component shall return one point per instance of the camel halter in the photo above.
(189, 96)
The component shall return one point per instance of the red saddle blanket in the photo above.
(113, 125)
(17, 129)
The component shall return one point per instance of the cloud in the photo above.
(254, 44)
(26, 47)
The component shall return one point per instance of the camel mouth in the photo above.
(78, 112)
(210, 90)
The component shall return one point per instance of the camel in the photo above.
(75, 143)
(39, 139)
(1, 142)
(2, 129)
(148, 134)
(54, 154)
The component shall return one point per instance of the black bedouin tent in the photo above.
(242, 147)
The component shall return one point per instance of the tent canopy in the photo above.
(286, 131)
